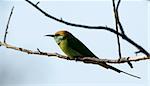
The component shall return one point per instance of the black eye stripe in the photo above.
(57, 35)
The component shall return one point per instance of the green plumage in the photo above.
(73, 48)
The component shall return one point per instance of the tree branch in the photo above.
(91, 27)
(117, 16)
(118, 4)
(37, 2)
(8, 24)
(118, 40)
(83, 59)
(117, 22)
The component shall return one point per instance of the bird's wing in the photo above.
(78, 46)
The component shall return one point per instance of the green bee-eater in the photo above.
(74, 48)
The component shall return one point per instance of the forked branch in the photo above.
(119, 26)
(83, 59)
(91, 27)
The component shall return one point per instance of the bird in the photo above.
(74, 49)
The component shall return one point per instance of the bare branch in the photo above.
(118, 40)
(117, 22)
(90, 60)
(84, 59)
(37, 2)
(6, 31)
(137, 52)
(118, 5)
(91, 27)
(117, 16)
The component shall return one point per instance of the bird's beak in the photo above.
(50, 35)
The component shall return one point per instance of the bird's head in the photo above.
(61, 36)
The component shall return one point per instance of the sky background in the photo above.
(28, 27)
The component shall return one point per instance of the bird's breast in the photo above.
(68, 50)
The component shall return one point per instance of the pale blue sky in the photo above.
(28, 27)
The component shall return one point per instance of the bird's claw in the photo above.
(77, 59)
(67, 58)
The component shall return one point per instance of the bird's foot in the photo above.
(68, 58)
(77, 59)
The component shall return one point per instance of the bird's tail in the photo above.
(117, 70)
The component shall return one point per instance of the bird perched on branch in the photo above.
(74, 48)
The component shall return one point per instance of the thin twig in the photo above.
(91, 27)
(37, 2)
(117, 21)
(6, 31)
(137, 52)
(118, 3)
(120, 25)
(117, 16)
(118, 40)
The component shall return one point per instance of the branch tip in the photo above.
(7, 26)
(37, 2)
(118, 4)
(129, 63)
